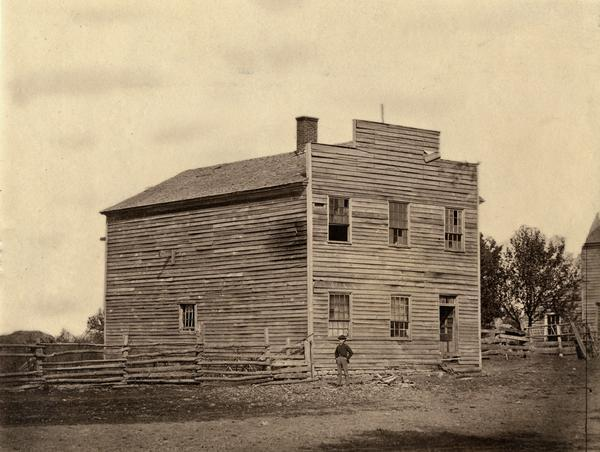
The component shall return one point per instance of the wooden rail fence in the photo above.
(137, 362)
(560, 339)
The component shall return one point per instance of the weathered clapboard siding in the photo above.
(590, 287)
(243, 264)
(387, 165)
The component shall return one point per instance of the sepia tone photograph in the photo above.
(292, 225)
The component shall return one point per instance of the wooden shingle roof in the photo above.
(228, 178)
(594, 234)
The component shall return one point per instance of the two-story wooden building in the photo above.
(376, 239)
(590, 278)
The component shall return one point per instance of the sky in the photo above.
(102, 99)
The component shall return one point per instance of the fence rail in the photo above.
(554, 339)
(43, 364)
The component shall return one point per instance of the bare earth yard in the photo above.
(522, 404)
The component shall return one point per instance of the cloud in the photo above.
(78, 83)
(180, 133)
(97, 15)
(280, 57)
(76, 141)
(278, 6)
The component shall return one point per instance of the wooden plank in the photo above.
(239, 363)
(245, 378)
(580, 342)
(82, 362)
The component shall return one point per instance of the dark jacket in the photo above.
(344, 350)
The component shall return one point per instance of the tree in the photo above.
(95, 328)
(493, 280)
(66, 336)
(540, 276)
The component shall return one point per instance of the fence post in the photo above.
(267, 349)
(125, 354)
(308, 356)
(559, 339)
(39, 362)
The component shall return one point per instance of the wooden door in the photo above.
(447, 331)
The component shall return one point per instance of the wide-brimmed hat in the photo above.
(341, 337)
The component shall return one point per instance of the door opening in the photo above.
(447, 331)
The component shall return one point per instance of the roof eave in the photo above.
(225, 198)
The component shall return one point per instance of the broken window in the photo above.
(187, 317)
(398, 223)
(339, 314)
(454, 229)
(399, 320)
(339, 219)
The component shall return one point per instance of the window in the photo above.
(339, 314)
(454, 229)
(339, 219)
(448, 299)
(399, 319)
(398, 223)
(187, 317)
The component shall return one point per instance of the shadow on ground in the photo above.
(387, 440)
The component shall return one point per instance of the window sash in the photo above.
(453, 241)
(339, 210)
(398, 213)
(339, 314)
(398, 236)
(454, 221)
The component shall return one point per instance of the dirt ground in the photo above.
(523, 404)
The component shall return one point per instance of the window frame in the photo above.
(408, 336)
(337, 292)
(182, 327)
(462, 229)
(349, 241)
(408, 234)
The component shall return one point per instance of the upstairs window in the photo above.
(398, 223)
(399, 319)
(339, 219)
(339, 314)
(454, 234)
(187, 317)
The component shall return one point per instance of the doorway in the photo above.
(552, 327)
(447, 331)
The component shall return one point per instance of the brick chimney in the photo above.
(306, 131)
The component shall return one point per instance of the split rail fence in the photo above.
(560, 339)
(137, 362)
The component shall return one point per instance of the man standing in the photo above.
(343, 353)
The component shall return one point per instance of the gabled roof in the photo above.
(594, 234)
(228, 178)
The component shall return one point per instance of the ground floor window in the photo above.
(187, 317)
(339, 314)
(399, 319)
